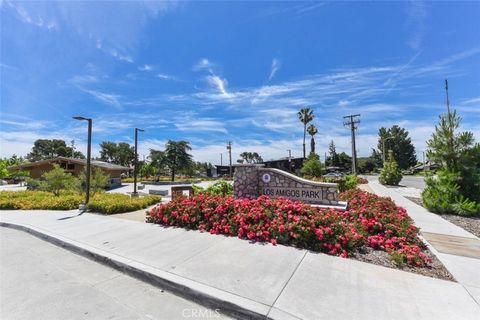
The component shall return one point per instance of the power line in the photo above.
(352, 122)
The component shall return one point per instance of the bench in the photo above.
(158, 192)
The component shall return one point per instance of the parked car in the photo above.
(3, 182)
(331, 175)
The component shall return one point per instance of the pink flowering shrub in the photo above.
(370, 220)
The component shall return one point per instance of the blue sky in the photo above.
(209, 72)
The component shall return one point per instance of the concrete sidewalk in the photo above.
(249, 280)
(456, 248)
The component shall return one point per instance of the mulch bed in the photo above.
(435, 270)
(471, 224)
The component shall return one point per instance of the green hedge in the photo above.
(107, 203)
(110, 203)
(39, 200)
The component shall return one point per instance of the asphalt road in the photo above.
(41, 281)
(407, 181)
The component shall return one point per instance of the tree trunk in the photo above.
(312, 145)
(304, 136)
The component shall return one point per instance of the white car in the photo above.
(3, 182)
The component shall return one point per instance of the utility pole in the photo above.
(449, 116)
(352, 121)
(221, 159)
(325, 158)
(229, 148)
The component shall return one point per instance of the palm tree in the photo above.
(312, 130)
(305, 115)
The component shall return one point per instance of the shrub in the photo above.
(107, 203)
(391, 173)
(110, 203)
(456, 189)
(220, 187)
(312, 167)
(39, 200)
(98, 181)
(344, 183)
(442, 195)
(56, 180)
(32, 183)
(371, 220)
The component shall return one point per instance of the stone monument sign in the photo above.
(253, 180)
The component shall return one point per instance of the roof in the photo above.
(96, 163)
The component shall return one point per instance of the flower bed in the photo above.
(39, 200)
(107, 203)
(371, 220)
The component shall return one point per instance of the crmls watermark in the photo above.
(201, 313)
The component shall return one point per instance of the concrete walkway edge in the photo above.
(229, 304)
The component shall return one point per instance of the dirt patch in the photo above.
(471, 224)
(381, 258)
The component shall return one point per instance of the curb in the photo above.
(227, 303)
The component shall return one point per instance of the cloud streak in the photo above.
(274, 68)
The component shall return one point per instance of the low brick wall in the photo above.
(252, 181)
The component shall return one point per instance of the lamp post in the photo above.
(290, 160)
(135, 163)
(89, 156)
(383, 151)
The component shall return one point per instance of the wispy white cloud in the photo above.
(218, 83)
(165, 76)
(83, 79)
(274, 68)
(471, 101)
(201, 125)
(416, 15)
(145, 67)
(30, 124)
(121, 57)
(203, 64)
(106, 98)
(24, 16)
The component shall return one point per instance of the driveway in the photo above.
(416, 182)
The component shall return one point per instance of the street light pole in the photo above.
(290, 159)
(135, 162)
(229, 148)
(89, 157)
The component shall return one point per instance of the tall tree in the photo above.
(457, 153)
(305, 116)
(334, 160)
(312, 130)
(446, 147)
(177, 156)
(118, 153)
(46, 149)
(250, 157)
(157, 157)
(345, 161)
(396, 139)
(126, 154)
(108, 151)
